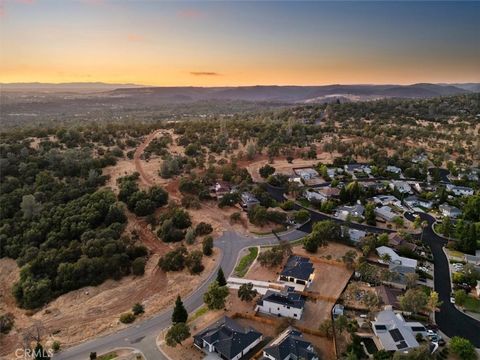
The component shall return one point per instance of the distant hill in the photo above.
(64, 87)
(292, 94)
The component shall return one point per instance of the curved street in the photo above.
(143, 335)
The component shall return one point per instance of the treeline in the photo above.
(62, 231)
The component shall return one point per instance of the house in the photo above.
(338, 310)
(286, 303)
(419, 158)
(220, 189)
(248, 201)
(394, 333)
(314, 196)
(449, 211)
(290, 344)
(396, 241)
(385, 212)
(398, 265)
(356, 235)
(473, 259)
(298, 270)
(477, 288)
(394, 170)
(413, 202)
(306, 173)
(329, 192)
(352, 169)
(389, 295)
(396, 259)
(345, 211)
(401, 186)
(460, 190)
(227, 338)
(387, 200)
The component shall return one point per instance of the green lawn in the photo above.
(246, 261)
(108, 356)
(472, 304)
(201, 311)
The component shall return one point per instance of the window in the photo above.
(288, 307)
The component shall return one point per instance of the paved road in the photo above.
(449, 319)
(142, 336)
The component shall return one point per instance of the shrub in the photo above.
(138, 309)
(203, 229)
(193, 261)
(173, 260)
(6, 323)
(56, 346)
(138, 266)
(207, 246)
(127, 318)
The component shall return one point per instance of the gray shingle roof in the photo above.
(229, 337)
(292, 345)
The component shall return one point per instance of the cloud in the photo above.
(204, 73)
(190, 14)
(135, 38)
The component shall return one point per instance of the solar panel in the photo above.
(402, 345)
(381, 327)
(396, 335)
(418, 328)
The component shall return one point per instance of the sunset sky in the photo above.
(239, 43)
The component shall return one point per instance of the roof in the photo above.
(286, 298)
(449, 208)
(393, 332)
(389, 295)
(248, 197)
(395, 258)
(394, 239)
(329, 191)
(229, 337)
(290, 344)
(298, 267)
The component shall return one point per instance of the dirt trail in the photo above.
(144, 178)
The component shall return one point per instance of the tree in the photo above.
(176, 334)
(215, 297)
(203, 229)
(326, 328)
(193, 261)
(370, 216)
(271, 257)
(30, 207)
(173, 260)
(190, 236)
(246, 292)
(138, 309)
(349, 258)
(6, 323)
(411, 280)
(251, 151)
(40, 353)
(433, 302)
(56, 346)
(463, 348)
(221, 278)
(207, 246)
(266, 170)
(460, 297)
(413, 300)
(138, 266)
(180, 314)
(371, 301)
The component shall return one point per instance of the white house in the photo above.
(343, 212)
(290, 345)
(314, 196)
(394, 333)
(387, 200)
(355, 234)
(286, 303)
(248, 200)
(357, 168)
(450, 211)
(307, 173)
(401, 186)
(395, 258)
(460, 190)
(227, 338)
(394, 170)
(385, 212)
(413, 202)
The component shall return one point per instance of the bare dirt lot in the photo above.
(94, 311)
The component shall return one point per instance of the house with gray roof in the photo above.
(394, 333)
(286, 303)
(450, 211)
(227, 338)
(290, 344)
(248, 201)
